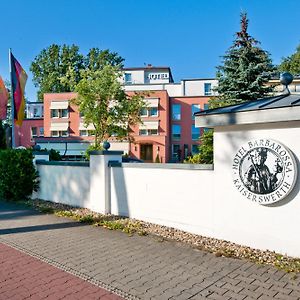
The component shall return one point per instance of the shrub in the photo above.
(157, 160)
(91, 147)
(18, 176)
(54, 155)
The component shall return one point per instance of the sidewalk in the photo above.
(135, 267)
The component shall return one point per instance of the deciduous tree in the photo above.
(105, 104)
(59, 68)
(291, 63)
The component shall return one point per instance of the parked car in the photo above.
(129, 159)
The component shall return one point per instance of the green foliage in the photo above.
(291, 63)
(96, 59)
(206, 154)
(157, 160)
(53, 66)
(2, 136)
(54, 155)
(88, 219)
(91, 147)
(59, 68)
(245, 70)
(18, 176)
(105, 104)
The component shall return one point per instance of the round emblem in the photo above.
(264, 171)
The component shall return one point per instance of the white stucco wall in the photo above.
(274, 227)
(196, 87)
(64, 184)
(178, 198)
(201, 201)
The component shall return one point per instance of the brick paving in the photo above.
(25, 277)
(139, 267)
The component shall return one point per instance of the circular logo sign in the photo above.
(264, 171)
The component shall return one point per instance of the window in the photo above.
(143, 132)
(59, 113)
(152, 132)
(41, 131)
(56, 133)
(35, 112)
(206, 106)
(176, 132)
(153, 112)
(195, 149)
(148, 132)
(64, 133)
(176, 152)
(149, 112)
(128, 78)
(54, 113)
(195, 133)
(83, 132)
(207, 89)
(144, 112)
(33, 132)
(195, 108)
(64, 113)
(176, 112)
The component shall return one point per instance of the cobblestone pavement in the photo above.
(25, 277)
(139, 267)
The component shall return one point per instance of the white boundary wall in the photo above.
(64, 183)
(179, 198)
(197, 200)
(237, 219)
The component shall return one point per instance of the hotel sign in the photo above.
(155, 76)
(264, 171)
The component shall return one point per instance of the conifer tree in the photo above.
(245, 71)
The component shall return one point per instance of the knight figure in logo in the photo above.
(258, 178)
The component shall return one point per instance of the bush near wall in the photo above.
(18, 176)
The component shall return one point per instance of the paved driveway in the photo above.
(138, 267)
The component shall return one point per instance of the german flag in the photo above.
(18, 80)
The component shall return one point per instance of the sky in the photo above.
(189, 36)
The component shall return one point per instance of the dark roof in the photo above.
(146, 68)
(285, 100)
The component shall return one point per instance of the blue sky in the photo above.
(187, 35)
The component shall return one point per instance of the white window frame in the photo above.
(41, 131)
(81, 132)
(59, 113)
(207, 93)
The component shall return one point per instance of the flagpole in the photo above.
(13, 144)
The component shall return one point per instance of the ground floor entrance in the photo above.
(146, 152)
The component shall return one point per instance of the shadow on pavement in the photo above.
(12, 211)
(40, 227)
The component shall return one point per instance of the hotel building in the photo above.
(167, 134)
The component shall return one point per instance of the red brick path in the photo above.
(25, 277)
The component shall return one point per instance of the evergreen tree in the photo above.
(291, 63)
(245, 71)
